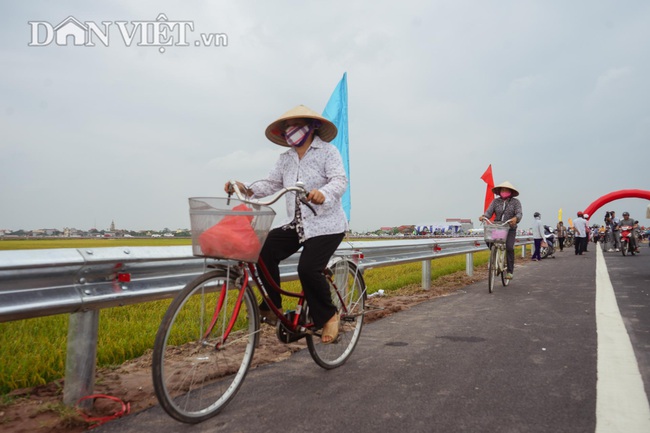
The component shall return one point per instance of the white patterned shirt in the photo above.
(321, 168)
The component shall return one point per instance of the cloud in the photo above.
(545, 91)
(611, 82)
(523, 84)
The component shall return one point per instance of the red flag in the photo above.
(489, 195)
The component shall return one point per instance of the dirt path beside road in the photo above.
(40, 409)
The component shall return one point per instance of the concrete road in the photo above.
(548, 353)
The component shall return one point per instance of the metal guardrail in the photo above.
(81, 282)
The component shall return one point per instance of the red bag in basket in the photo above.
(232, 238)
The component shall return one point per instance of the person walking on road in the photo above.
(561, 234)
(589, 235)
(506, 208)
(616, 233)
(580, 233)
(538, 236)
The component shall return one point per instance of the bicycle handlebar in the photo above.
(298, 188)
(492, 222)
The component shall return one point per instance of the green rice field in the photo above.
(40, 244)
(33, 351)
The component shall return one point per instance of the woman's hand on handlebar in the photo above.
(228, 188)
(316, 197)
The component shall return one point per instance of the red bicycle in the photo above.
(207, 338)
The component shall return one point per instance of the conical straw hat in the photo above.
(508, 185)
(275, 131)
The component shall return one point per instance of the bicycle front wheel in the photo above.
(503, 266)
(493, 268)
(348, 291)
(204, 347)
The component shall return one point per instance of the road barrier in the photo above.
(81, 282)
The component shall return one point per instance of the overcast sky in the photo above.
(554, 94)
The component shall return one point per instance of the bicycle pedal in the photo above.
(287, 336)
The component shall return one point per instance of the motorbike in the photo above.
(604, 239)
(549, 249)
(626, 240)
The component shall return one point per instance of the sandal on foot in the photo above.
(330, 330)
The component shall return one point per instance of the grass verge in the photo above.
(34, 350)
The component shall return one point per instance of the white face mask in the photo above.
(296, 136)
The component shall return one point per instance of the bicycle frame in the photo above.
(294, 325)
(501, 256)
(261, 288)
(249, 272)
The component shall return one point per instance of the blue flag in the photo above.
(336, 111)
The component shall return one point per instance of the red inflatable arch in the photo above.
(616, 195)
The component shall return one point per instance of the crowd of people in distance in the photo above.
(580, 233)
(610, 233)
(506, 210)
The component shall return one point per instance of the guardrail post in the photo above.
(469, 264)
(83, 330)
(426, 274)
(523, 251)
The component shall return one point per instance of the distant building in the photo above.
(465, 224)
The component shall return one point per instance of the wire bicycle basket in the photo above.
(227, 228)
(495, 233)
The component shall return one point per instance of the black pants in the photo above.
(316, 252)
(580, 244)
(537, 252)
(561, 240)
(510, 250)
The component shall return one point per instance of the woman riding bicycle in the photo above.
(506, 208)
(312, 160)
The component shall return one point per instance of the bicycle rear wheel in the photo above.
(493, 268)
(347, 289)
(195, 373)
